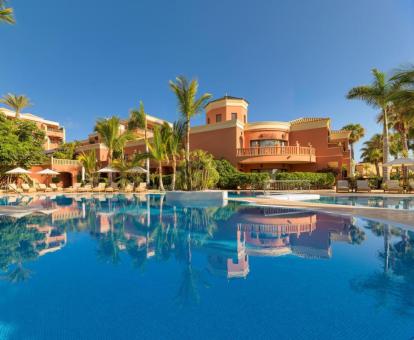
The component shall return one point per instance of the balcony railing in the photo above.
(276, 151)
(58, 161)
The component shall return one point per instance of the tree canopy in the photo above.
(21, 143)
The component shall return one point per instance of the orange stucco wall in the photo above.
(226, 112)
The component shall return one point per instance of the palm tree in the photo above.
(158, 150)
(175, 143)
(6, 13)
(377, 95)
(109, 131)
(15, 102)
(357, 132)
(401, 119)
(189, 106)
(138, 119)
(372, 151)
(88, 161)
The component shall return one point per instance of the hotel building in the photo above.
(304, 144)
(55, 134)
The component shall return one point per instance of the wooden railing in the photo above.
(276, 151)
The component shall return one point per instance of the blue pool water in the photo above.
(134, 267)
(390, 202)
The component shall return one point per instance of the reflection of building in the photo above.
(53, 240)
(258, 231)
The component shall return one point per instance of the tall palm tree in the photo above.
(138, 119)
(357, 132)
(175, 143)
(377, 95)
(15, 102)
(6, 13)
(189, 106)
(158, 150)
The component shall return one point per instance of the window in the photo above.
(256, 143)
(245, 119)
(234, 115)
(208, 120)
(218, 118)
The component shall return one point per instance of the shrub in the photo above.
(231, 178)
(203, 171)
(316, 180)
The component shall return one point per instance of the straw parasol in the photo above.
(402, 162)
(18, 171)
(137, 170)
(108, 170)
(48, 172)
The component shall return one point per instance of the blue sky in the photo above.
(82, 59)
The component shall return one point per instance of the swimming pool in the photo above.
(126, 266)
(390, 202)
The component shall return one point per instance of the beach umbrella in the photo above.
(400, 162)
(18, 171)
(48, 172)
(107, 170)
(137, 170)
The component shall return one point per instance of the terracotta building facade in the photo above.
(304, 144)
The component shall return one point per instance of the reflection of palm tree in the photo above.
(357, 234)
(19, 274)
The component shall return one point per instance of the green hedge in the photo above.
(317, 180)
(231, 178)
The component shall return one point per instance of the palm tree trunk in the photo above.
(17, 114)
(187, 155)
(147, 160)
(386, 147)
(377, 170)
(109, 164)
(174, 167)
(160, 174)
(352, 170)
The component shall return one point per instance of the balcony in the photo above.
(277, 154)
(53, 132)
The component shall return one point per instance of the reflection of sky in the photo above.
(183, 290)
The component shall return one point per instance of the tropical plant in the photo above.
(66, 150)
(21, 143)
(188, 106)
(6, 13)
(15, 102)
(378, 95)
(357, 132)
(158, 150)
(175, 143)
(202, 172)
(138, 119)
(109, 131)
(89, 162)
(372, 152)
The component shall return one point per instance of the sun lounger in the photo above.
(411, 185)
(99, 188)
(141, 187)
(129, 188)
(54, 187)
(27, 188)
(74, 188)
(393, 186)
(363, 186)
(113, 187)
(342, 186)
(85, 188)
(43, 187)
(13, 188)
